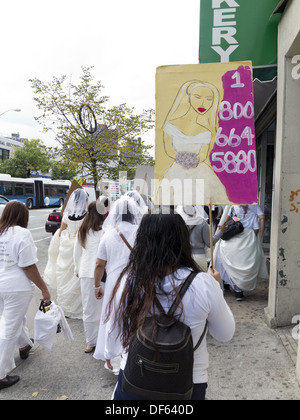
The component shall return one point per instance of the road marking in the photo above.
(46, 237)
(42, 227)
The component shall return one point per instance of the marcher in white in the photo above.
(246, 215)
(112, 256)
(18, 277)
(85, 250)
(196, 220)
(140, 200)
(160, 261)
(241, 260)
(59, 271)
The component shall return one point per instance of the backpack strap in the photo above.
(202, 336)
(182, 291)
(191, 230)
(158, 305)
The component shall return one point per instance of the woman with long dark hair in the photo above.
(18, 277)
(120, 229)
(85, 254)
(160, 261)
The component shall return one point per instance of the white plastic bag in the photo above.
(45, 326)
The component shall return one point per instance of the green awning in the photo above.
(264, 73)
(280, 7)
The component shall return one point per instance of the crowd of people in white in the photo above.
(95, 252)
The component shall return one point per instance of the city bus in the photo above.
(34, 192)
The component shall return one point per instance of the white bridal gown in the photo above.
(59, 272)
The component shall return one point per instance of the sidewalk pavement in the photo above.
(257, 364)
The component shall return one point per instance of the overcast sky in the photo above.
(124, 40)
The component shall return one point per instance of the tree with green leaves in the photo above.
(64, 170)
(112, 147)
(33, 156)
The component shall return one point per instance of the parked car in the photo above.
(54, 221)
(3, 202)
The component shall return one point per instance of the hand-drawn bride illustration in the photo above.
(189, 133)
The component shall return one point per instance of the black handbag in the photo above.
(232, 228)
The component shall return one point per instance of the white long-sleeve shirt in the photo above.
(203, 301)
(85, 258)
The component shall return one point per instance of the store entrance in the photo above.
(265, 166)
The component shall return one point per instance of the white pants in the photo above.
(13, 327)
(91, 311)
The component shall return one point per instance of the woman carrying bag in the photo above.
(240, 260)
(18, 277)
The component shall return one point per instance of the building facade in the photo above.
(277, 126)
(284, 288)
(7, 144)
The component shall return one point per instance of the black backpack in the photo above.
(162, 369)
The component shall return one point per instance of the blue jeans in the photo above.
(199, 391)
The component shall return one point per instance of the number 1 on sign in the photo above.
(238, 83)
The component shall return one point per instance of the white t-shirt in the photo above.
(85, 258)
(113, 249)
(17, 250)
(203, 301)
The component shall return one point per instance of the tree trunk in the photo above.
(95, 178)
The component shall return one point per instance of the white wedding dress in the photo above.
(241, 261)
(214, 191)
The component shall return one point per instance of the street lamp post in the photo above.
(16, 110)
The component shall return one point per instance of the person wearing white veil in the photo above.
(139, 199)
(120, 228)
(240, 260)
(189, 134)
(59, 272)
(196, 220)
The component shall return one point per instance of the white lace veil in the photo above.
(125, 209)
(192, 215)
(77, 204)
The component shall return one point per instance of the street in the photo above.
(37, 219)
